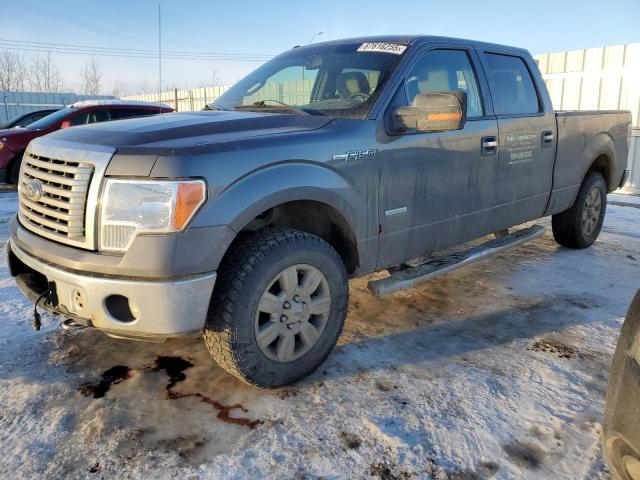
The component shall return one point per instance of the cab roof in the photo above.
(416, 40)
(116, 101)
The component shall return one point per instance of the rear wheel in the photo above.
(278, 307)
(580, 226)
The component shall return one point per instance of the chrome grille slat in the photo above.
(77, 180)
(59, 212)
(77, 193)
(39, 220)
(58, 167)
(68, 217)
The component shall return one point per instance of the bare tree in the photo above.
(215, 78)
(212, 81)
(12, 71)
(119, 89)
(90, 78)
(144, 87)
(44, 74)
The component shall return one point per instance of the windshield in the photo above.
(50, 120)
(341, 80)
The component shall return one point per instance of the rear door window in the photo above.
(512, 87)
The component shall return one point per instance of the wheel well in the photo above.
(312, 217)
(602, 166)
(11, 165)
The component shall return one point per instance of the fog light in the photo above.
(120, 308)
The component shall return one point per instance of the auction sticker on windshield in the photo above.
(383, 47)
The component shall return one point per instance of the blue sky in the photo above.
(255, 27)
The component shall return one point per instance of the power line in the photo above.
(74, 49)
(125, 50)
(138, 50)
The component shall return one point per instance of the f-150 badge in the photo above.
(355, 155)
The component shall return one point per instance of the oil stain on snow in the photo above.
(175, 368)
(113, 376)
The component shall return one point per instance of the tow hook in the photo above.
(69, 325)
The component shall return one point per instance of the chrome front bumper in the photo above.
(121, 307)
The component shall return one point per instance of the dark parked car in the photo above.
(27, 118)
(621, 426)
(13, 142)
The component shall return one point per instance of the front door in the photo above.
(437, 189)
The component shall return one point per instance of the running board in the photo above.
(441, 264)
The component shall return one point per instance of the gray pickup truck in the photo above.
(333, 160)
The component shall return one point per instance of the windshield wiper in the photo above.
(263, 103)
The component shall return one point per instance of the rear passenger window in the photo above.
(511, 85)
(121, 113)
(445, 71)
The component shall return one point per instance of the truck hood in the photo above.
(158, 133)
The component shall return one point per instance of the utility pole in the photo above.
(159, 52)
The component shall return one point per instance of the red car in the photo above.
(14, 141)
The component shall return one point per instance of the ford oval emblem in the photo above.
(33, 190)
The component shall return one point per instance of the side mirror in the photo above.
(432, 112)
(65, 124)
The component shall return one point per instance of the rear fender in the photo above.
(602, 145)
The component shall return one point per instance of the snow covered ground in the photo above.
(495, 371)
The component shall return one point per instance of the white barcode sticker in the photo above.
(383, 47)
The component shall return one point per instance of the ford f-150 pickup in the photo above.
(330, 161)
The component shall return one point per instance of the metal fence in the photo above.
(13, 104)
(604, 78)
(633, 184)
(601, 78)
(183, 100)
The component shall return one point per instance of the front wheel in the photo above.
(580, 226)
(278, 307)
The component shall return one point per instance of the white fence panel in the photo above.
(633, 184)
(603, 78)
(13, 104)
(183, 100)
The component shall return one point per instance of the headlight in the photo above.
(130, 207)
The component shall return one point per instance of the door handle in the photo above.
(547, 137)
(489, 145)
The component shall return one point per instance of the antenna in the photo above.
(314, 37)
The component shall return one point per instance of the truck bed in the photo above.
(582, 137)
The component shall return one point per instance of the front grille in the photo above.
(59, 211)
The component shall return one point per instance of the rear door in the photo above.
(526, 137)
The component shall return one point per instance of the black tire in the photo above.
(14, 170)
(568, 227)
(246, 272)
